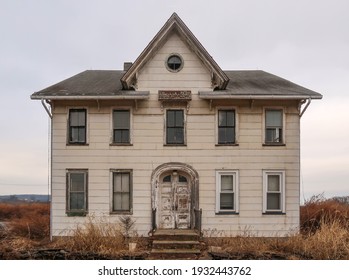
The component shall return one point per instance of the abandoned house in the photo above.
(176, 142)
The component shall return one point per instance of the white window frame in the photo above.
(235, 174)
(282, 180)
(221, 108)
(123, 108)
(283, 134)
(184, 126)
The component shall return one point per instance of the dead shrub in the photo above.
(318, 211)
(96, 236)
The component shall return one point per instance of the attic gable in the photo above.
(219, 79)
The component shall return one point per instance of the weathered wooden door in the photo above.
(175, 201)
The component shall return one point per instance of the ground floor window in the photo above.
(227, 191)
(77, 192)
(122, 191)
(273, 191)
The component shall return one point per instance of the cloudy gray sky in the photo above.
(44, 42)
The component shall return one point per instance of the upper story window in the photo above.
(174, 63)
(76, 192)
(121, 127)
(274, 126)
(77, 126)
(175, 129)
(226, 127)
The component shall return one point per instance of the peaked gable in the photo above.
(174, 24)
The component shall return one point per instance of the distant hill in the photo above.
(25, 198)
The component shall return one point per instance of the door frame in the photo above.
(191, 175)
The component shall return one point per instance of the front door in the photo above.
(174, 201)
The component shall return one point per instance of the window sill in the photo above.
(222, 145)
(120, 144)
(274, 213)
(77, 144)
(227, 213)
(175, 145)
(76, 214)
(274, 144)
(121, 213)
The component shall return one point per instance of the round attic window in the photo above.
(174, 63)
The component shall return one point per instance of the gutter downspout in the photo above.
(46, 109)
(305, 108)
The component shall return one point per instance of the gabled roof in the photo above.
(174, 23)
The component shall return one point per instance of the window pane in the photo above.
(227, 201)
(125, 178)
(227, 182)
(170, 118)
(230, 118)
(121, 136)
(121, 119)
(77, 117)
(273, 183)
(117, 182)
(273, 201)
(125, 201)
(175, 136)
(117, 201)
(77, 182)
(273, 118)
(179, 118)
(77, 201)
(222, 118)
(182, 179)
(226, 135)
(167, 179)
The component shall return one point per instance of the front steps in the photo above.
(175, 244)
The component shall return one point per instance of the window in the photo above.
(274, 191)
(175, 127)
(174, 63)
(121, 127)
(227, 191)
(226, 126)
(77, 192)
(122, 191)
(77, 126)
(273, 126)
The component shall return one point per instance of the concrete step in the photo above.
(185, 235)
(176, 244)
(175, 251)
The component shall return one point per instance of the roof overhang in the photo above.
(129, 95)
(214, 95)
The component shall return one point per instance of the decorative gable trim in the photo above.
(175, 24)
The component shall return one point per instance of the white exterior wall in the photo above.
(250, 157)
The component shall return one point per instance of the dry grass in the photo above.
(30, 220)
(101, 237)
(324, 235)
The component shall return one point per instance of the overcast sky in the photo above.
(44, 42)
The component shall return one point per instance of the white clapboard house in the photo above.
(176, 142)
